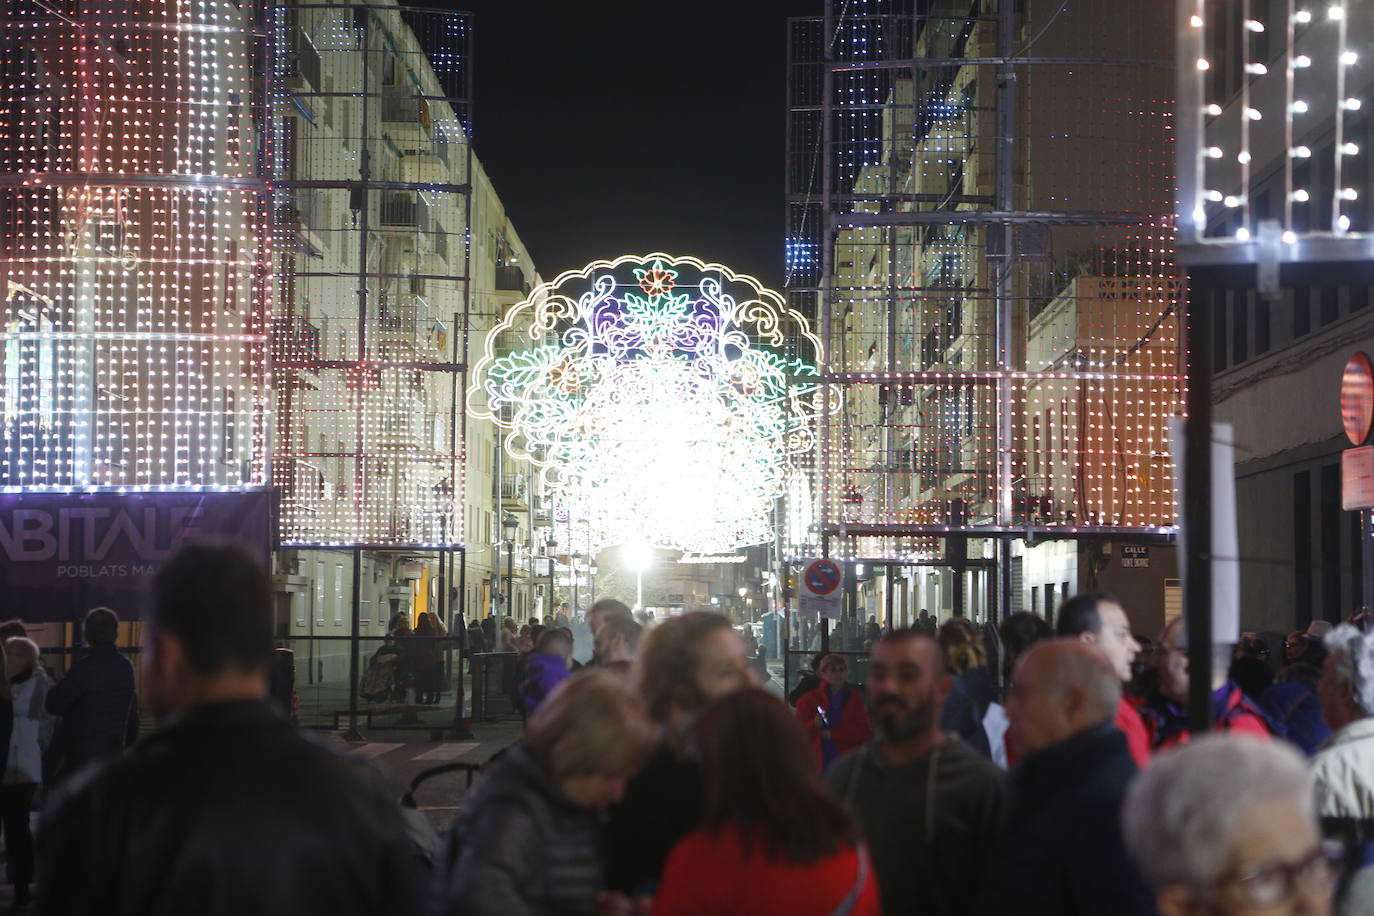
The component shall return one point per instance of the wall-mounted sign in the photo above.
(820, 589)
(1357, 478)
(701, 559)
(1135, 556)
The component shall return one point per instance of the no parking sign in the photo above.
(820, 588)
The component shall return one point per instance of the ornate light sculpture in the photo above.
(662, 398)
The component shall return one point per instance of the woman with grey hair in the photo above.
(1343, 770)
(1225, 826)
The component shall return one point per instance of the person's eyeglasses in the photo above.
(1274, 883)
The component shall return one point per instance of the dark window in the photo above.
(1329, 547)
(1330, 304)
(1220, 342)
(1302, 310)
(1240, 325)
(1261, 325)
(1359, 298)
(1302, 548)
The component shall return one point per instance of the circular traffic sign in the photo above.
(822, 577)
(1357, 398)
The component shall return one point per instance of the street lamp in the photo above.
(510, 523)
(572, 563)
(640, 557)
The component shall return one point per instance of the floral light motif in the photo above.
(663, 409)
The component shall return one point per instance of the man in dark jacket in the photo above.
(1062, 852)
(226, 809)
(95, 700)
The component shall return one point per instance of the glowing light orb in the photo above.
(662, 398)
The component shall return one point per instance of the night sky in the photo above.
(655, 126)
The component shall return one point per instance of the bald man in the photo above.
(1062, 851)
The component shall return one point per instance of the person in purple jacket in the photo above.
(545, 668)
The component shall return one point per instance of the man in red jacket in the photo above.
(1100, 620)
(834, 713)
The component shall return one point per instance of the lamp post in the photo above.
(510, 523)
(549, 547)
(572, 562)
(639, 556)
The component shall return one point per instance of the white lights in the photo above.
(1343, 222)
(1195, 21)
(1349, 57)
(1289, 237)
(1256, 69)
(1242, 234)
(1302, 62)
(1335, 11)
(1231, 200)
(1212, 195)
(1212, 109)
(1254, 25)
(134, 287)
(1300, 195)
(1302, 17)
(1349, 194)
(661, 411)
(1351, 104)
(1300, 152)
(1299, 107)
(1252, 114)
(1243, 157)
(1350, 149)
(1213, 152)
(1202, 64)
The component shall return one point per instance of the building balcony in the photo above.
(514, 493)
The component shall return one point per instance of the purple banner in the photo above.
(64, 553)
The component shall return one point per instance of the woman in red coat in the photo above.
(834, 714)
(772, 838)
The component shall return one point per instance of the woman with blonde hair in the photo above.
(527, 841)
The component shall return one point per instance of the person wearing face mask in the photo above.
(928, 804)
(527, 841)
(684, 664)
(1099, 620)
(1225, 827)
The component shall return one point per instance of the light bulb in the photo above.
(1213, 152)
(1351, 104)
(1300, 195)
(1349, 57)
(1242, 234)
(1254, 25)
(1202, 64)
(1213, 109)
(1302, 61)
(1289, 237)
(1302, 17)
(1300, 152)
(1299, 107)
(1253, 114)
(1335, 12)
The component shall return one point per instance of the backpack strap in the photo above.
(846, 905)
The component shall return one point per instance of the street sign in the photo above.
(1357, 398)
(1357, 478)
(1135, 556)
(820, 589)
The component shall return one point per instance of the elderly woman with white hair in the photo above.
(1225, 826)
(1343, 770)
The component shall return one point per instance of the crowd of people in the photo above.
(660, 777)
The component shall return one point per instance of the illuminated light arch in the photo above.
(663, 399)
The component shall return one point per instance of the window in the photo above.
(1359, 298)
(1302, 310)
(1035, 599)
(338, 594)
(1330, 304)
(1049, 603)
(1216, 300)
(1261, 325)
(299, 601)
(1240, 325)
(1302, 547)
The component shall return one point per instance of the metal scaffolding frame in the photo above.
(929, 232)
